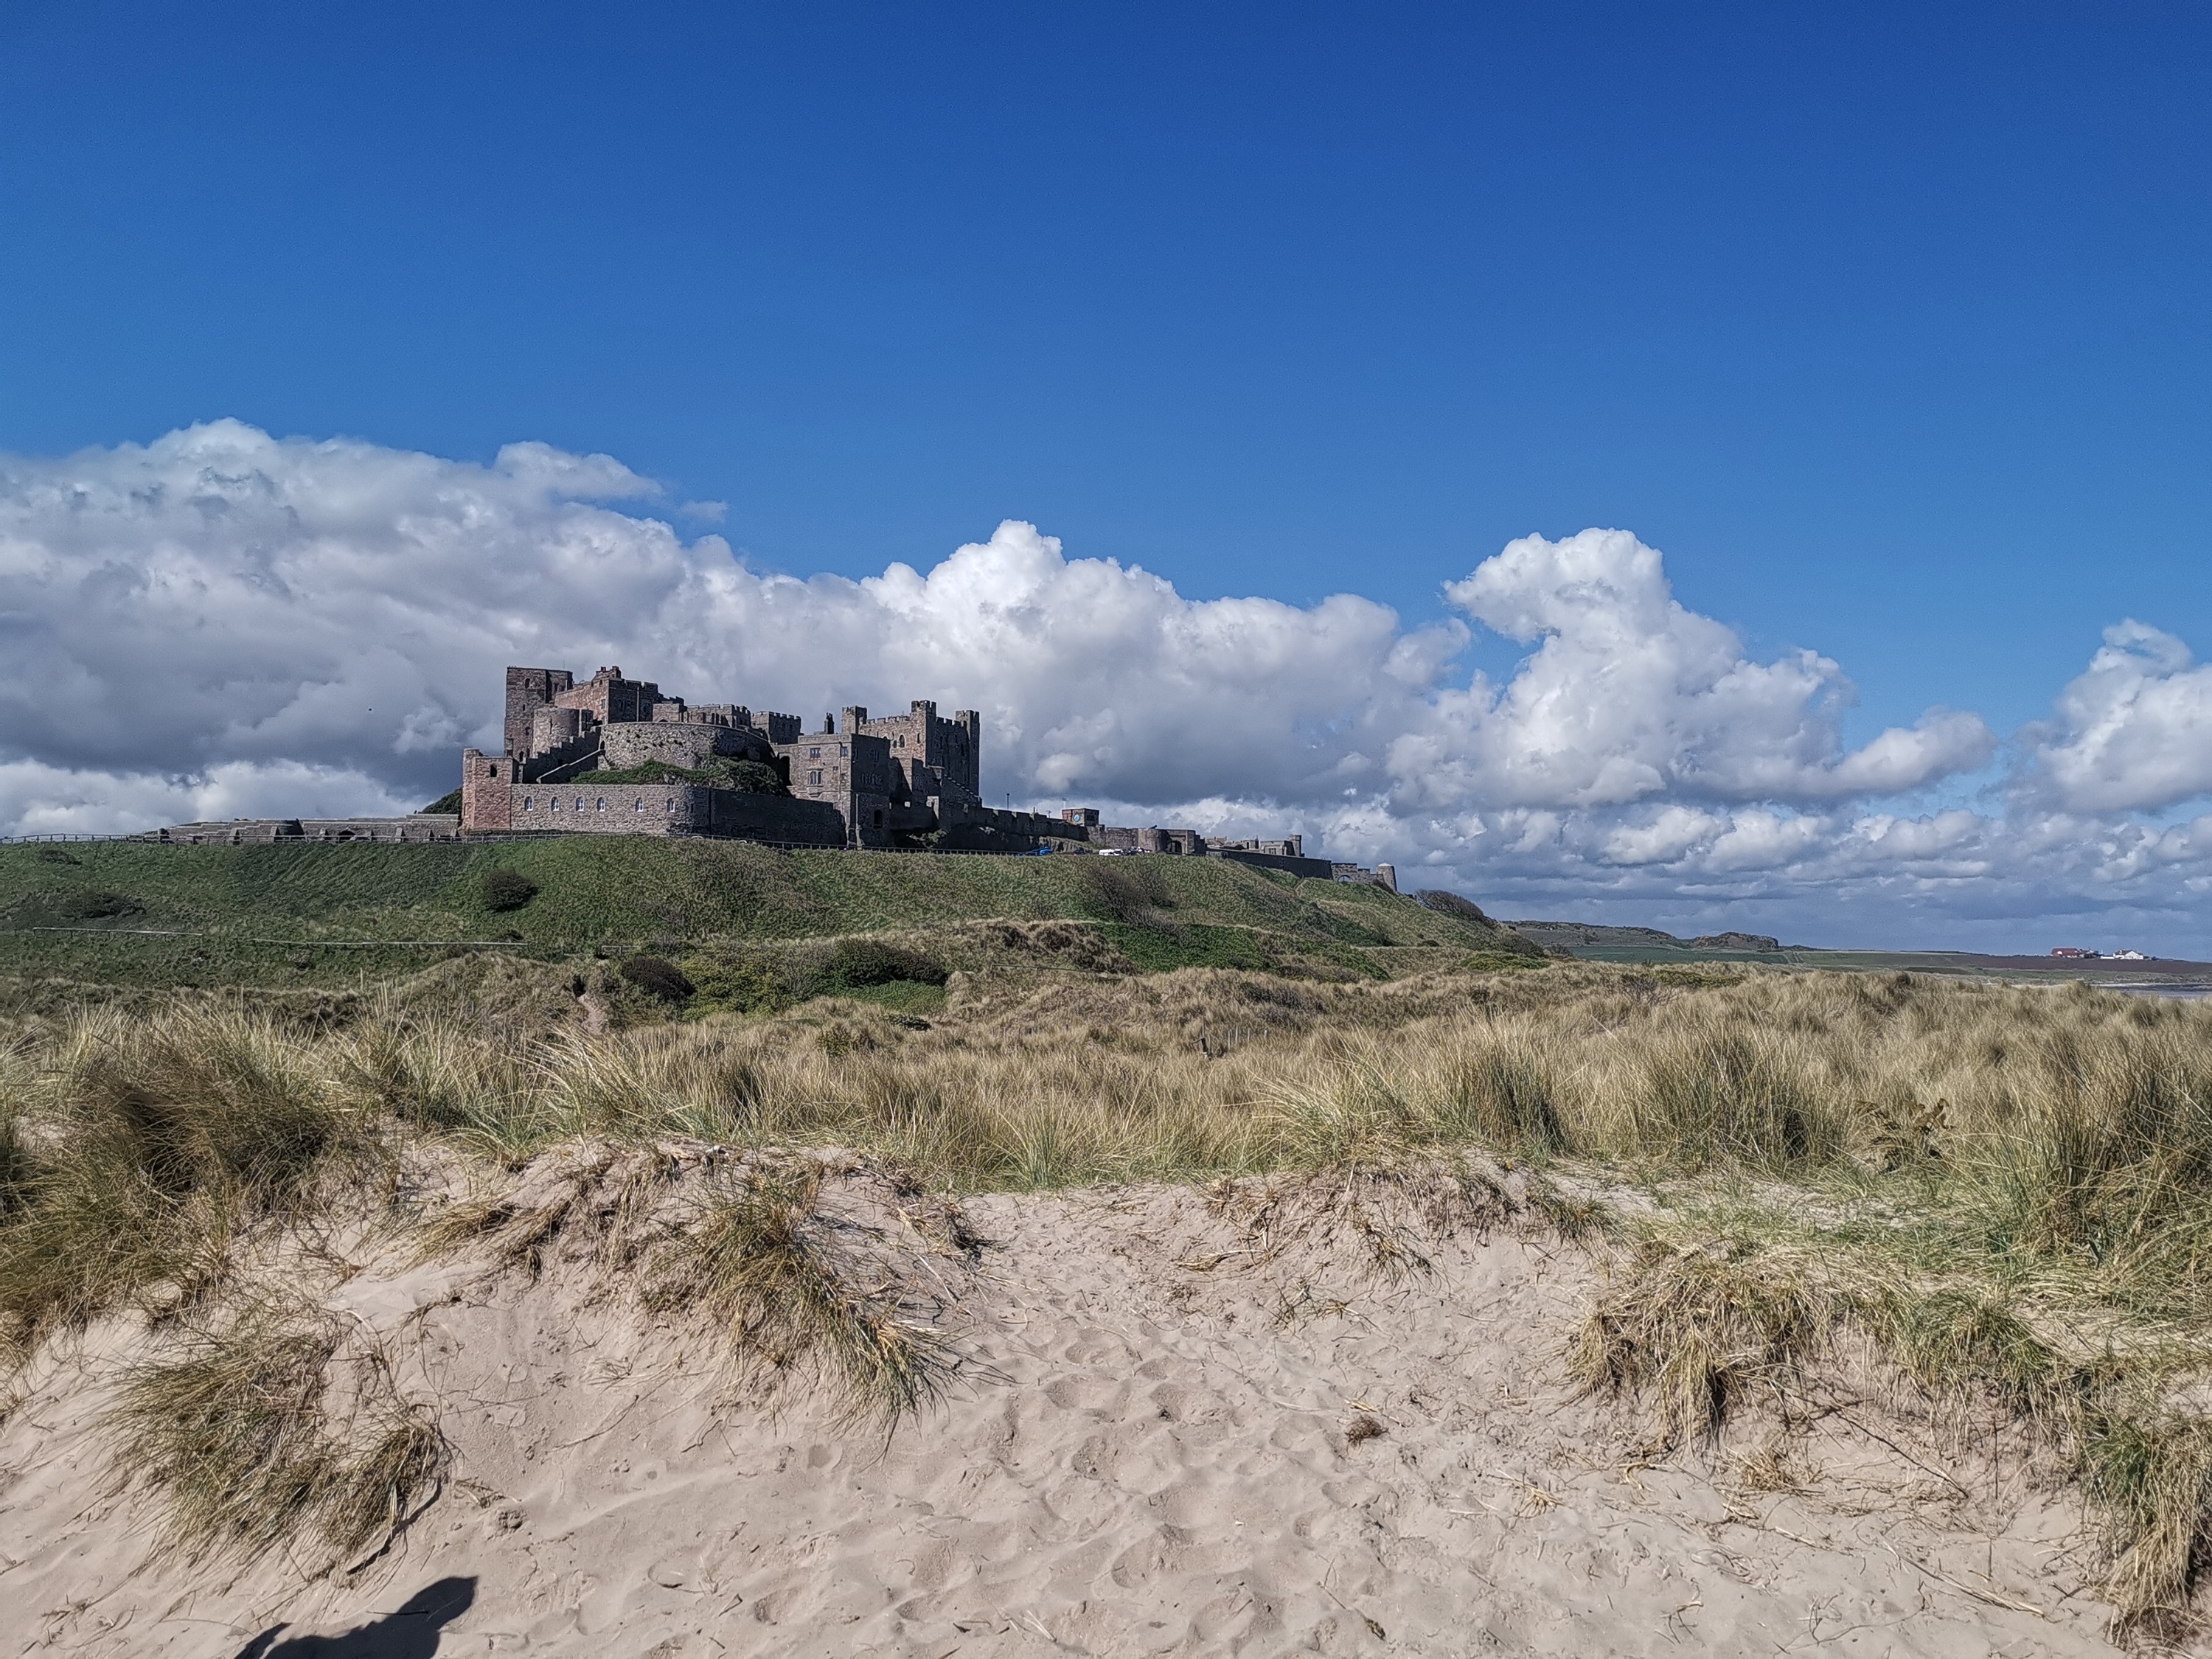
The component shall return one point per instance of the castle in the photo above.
(597, 758)
(615, 755)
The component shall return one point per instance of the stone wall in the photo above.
(687, 744)
(582, 807)
(933, 756)
(608, 697)
(774, 817)
(486, 790)
(416, 827)
(672, 809)
(1313, 869)
(529, 690)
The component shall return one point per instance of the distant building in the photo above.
(615, 755)
(2072, 953)
(2127, 956)
(856, 782)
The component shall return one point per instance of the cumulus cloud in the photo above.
(1629, 695)
(223, 622)
(2134, 732)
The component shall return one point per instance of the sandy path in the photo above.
(1148, 1459)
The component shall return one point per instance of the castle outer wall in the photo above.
(493, 803)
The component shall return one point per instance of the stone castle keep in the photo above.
(601, 756)
(614, 755)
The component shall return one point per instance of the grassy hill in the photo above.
(142, 914)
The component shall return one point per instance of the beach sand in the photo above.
(1164, 1438)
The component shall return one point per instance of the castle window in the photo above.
(603, 803)
(554, 803)
(639, 805)
(525, 803)
(814, 754)
(579, 803)
(815, 776)
(843, 750)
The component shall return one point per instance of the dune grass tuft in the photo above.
(792, 1286)
(232, 1428)
(141, 1147)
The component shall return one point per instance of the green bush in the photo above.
(1450, 904)
(505, 890)
(659, 977)
(858, 962)
(94, 904)
(757, 778)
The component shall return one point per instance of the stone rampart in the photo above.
(689, 743)
(580, 807)
(1311, 869)
(416, 827)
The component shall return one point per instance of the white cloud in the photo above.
(221, 623)
(1630, 696)
(37, 800)
(2134, 732)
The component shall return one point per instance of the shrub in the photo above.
(857, 962)
(505, 890)
(1450, 904)
(757, 778)
(94, 904)
(1118, 892)
(657, 976)
(56, 855)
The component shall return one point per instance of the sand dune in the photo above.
(1171, 1434)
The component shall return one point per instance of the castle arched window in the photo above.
(639, 805)
(554, 803)
(525, 803)
(603, 804)
(579, 803)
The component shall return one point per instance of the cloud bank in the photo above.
(223, 624)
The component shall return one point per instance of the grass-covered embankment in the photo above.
(124, 913)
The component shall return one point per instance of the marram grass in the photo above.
(1953, 1172)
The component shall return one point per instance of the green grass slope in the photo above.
(137, 913)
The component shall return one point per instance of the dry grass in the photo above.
(2007, 1194)
(234, 1429)
(135, 1151)
(1697, 1327)
(793, 1284)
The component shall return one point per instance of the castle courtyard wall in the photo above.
(687, 744)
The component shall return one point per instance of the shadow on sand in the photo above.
(411, 1633)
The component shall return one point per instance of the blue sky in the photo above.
(1889, 326)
